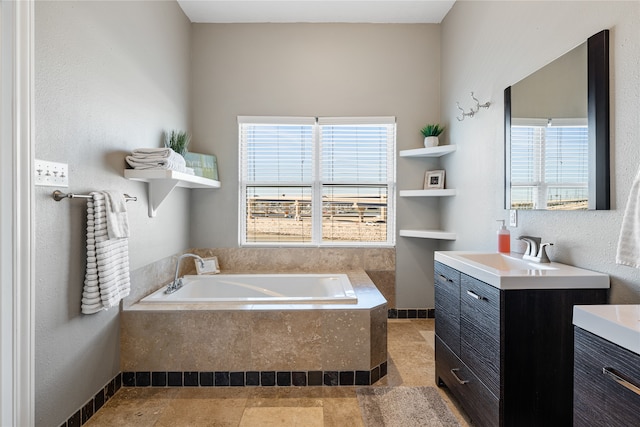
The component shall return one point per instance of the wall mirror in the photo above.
(557, 132)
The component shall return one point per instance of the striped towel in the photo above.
(628, 252)
(107, 276)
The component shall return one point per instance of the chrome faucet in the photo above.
(177, 282)
(536, 250)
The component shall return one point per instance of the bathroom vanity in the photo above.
(607, 365)
(504, 335)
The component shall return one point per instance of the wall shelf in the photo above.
(438, 151)
(163, 181)
(429, 234)
(428, 193)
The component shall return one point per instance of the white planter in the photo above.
(431, 141)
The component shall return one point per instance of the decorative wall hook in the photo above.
(473, 110)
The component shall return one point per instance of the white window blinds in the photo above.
(317, 181)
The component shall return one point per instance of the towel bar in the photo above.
(59, 195)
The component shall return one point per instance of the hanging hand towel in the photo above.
(629, 242)
(116, 210)
(107, 275)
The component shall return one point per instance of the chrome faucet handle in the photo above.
(532, 245)
(542, 254)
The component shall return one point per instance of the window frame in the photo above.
(317, 185)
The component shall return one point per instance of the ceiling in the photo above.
(347, 11)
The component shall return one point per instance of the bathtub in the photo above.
(257, 339)
(260, 289)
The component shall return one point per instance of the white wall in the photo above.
(110, 77)
(315, 70)
(487, 46)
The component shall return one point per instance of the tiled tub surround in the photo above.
(277, 344)
(378, 263)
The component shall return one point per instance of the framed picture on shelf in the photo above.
(434, 180)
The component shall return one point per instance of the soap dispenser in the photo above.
(504, 239)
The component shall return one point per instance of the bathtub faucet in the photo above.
(177, 282)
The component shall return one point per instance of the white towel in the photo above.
(629, 242)
(116, 211)
(156, 158)
(107, 274)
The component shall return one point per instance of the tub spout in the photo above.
(177, 282)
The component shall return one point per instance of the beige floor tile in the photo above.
(204, 407)
(282, 416)
(340, 412)
(133, 407)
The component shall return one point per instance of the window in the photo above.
(317, 181)
(550, 164)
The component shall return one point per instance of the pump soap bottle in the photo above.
(504, 239)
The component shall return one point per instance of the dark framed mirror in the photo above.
(557, 133)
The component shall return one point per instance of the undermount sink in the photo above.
(510, 271)
(505, 262)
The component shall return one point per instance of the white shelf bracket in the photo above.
(159, 189)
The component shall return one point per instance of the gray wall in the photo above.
(109, 77)
(315, 70)
(488, 46)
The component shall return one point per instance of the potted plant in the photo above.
(177, 141)
(431, 133)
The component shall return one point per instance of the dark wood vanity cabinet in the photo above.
(507, 355)
(606, 383)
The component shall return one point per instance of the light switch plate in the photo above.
(513, 218)
(210, 266)
(50, 174)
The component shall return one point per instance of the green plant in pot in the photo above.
(431, 133)
(177, 141)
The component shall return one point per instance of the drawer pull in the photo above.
(455, 375)
(476, 296)
(620, 379)
(446, 279)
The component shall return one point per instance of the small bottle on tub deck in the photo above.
(504, 239)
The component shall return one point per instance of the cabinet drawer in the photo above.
(479, 403)
(447, 305)
(599, 400)
(480, 330)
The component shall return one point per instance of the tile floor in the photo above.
(410, 363)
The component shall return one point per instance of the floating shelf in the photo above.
(162, 182)
(428, 193)
(429, 234)
(438, 151)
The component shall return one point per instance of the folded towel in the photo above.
(156, 152)
(116, 212)
(107, 273)
(628, 252)
(156, 158)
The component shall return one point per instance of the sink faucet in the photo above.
(177, 282)
(536, 250)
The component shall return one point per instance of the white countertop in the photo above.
(511, 271)
(619, 324)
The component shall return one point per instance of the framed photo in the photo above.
(211, 266)
(434, 180)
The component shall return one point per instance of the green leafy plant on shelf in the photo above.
(177, 141)
(432, 130)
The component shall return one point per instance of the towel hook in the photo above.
(473, 110)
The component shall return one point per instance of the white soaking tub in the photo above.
(260, 289)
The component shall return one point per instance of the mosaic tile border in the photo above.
(253, 378)
(82, 415)
(412, 313)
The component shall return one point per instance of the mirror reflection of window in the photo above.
(549, 164)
